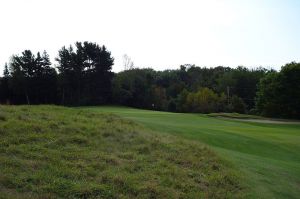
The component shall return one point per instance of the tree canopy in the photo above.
(279, 92)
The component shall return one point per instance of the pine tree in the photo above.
(85, 74)
(4, 86)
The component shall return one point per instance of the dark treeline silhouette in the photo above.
(30, 79)
(83, 77)
(84, 74)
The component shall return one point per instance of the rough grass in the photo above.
(56, 152)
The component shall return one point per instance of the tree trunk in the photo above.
(27, 98)
(63, 97)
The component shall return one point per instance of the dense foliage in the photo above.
(83, 77)
(279, 92)
(189, 89)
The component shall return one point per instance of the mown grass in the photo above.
(56, 152)
(267, 154)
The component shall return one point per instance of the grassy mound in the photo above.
(56, 152)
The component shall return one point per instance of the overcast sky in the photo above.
(161, 34)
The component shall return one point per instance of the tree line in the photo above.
(83, 76)
(189, 89)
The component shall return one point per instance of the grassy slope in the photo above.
(268, 154)
(50, 152)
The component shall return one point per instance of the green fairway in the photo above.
(267, 154)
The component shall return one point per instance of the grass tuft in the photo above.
(2, 117)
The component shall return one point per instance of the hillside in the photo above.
(267, 154)
(56, 152)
